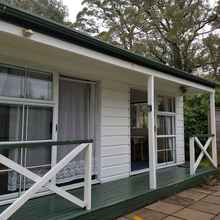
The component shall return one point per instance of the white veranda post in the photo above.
(213, 127)
(151, 134)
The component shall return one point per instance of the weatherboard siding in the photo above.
(115, 131)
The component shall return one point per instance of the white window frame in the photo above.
(25, 102)
(164, 113)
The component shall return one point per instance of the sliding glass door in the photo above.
(139, 131)
(76, 122)
(25, 114)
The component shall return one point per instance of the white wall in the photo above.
(115, 131)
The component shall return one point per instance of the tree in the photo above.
(51, 9)
(216, 23)
(167, 30)
(212, 55)
(113, 21)
(196, 109)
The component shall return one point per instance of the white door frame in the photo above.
(91, 124)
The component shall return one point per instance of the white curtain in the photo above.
(39, 86)
(38, 127)
(11, 83)
(74, 108)
(14, 118)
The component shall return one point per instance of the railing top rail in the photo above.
(203, 135)
(16, 144)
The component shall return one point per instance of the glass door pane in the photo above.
(165, 104)
(139, 131)
(39, 85)
(74, 124)
(165, 149)
(12, 82)
(11, 130)
(10, 122)
(165, 125)
(19, 123)
(38, 127)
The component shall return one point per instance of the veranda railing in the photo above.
(46, 180)
(195, 142)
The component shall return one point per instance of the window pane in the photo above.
(39, 128)
(3, 178)
(10, 130)
(165, 149)
(139, 115)
(161, 156)
(39, 86)
(165, 125)
(165, 156)
(10, 122)
(165, 143)
(39, 123)
(166, 104)
(11, 82)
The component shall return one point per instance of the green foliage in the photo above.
(196, 110)
(212, 51)
(113, 21)
(170, 31)
(205, 164)
(217, 96)
(51, 9)
(216, 23)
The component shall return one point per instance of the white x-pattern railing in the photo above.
(194, 162)
(46, 180)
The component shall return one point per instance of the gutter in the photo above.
(53, 29)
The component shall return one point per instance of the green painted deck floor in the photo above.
(111, 199)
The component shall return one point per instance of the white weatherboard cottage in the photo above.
(56, 84)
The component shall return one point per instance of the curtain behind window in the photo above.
(37, 127)
(74, 108)
(14, 130)
(11, 82)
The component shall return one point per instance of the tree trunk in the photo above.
(177, 59)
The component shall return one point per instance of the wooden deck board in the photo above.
(110, 199)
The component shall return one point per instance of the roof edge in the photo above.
(51, 28)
